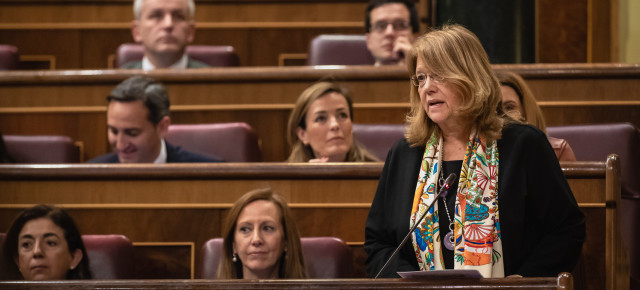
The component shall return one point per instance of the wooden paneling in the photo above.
(562, 31)
(187, 202)
(237, 11)
(563, 281)
(576, 31)
(82, 34)
(560, 114)
(166, 260)
(89, 126)
(214, 86)
(90, 47)
(274, 85)
(603, 26)
(567, 31)
(72, 103)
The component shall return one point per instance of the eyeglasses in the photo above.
(420, 80)
(398, 25)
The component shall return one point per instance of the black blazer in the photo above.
(542, 228)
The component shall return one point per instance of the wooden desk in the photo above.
(187, 202)
(72, 103)
(563, 281)
(81, 34)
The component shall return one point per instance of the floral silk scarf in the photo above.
(477, 226)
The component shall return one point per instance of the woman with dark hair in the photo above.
(43, 243)
(261, 240)
(320, 127)
(509, 210)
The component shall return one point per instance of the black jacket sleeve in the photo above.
(388, 220)
(542, 227)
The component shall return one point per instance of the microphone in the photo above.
(442, 193)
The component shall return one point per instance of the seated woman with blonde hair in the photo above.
(261, 240)
(518, 101)
(320, 127)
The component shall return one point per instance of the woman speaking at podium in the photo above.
(510, 210)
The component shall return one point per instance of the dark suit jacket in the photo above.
(191, 63)
(174, 155)
(542, 228)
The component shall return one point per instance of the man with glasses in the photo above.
(391, 26)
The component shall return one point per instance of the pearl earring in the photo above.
(234, 258)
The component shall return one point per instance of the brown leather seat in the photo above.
(324, 257)
(42, 149)
(339, 49)
(212, 55)
(8, 57)
(594, 143)
(233, 142)
(378, 138)
(110, 256)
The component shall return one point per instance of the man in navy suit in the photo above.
(137, 121)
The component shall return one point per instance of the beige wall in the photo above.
(629, 30)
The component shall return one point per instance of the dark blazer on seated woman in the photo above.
(174, 155)
(541, 225)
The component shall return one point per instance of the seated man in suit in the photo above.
(137, 121)
(391, 27)
(165, 28)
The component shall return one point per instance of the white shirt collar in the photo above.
(180, 64)
(162, 157)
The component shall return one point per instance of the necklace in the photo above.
(448, 241)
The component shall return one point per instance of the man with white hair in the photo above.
(165, 28)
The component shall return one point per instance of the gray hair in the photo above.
(137, 8)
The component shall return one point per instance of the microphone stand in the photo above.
(443, 192)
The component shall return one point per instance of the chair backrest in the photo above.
(213, 55)
(110, 256)
(324, 257)
(378, 138)
(42, 149)
(339, 49)
(8, 57)
(595, 142)
(233, 142)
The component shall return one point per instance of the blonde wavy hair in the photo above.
(455, 53)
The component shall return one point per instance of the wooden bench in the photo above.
(82, 34)
(563, 281)
(170, 211)
(72, 103)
